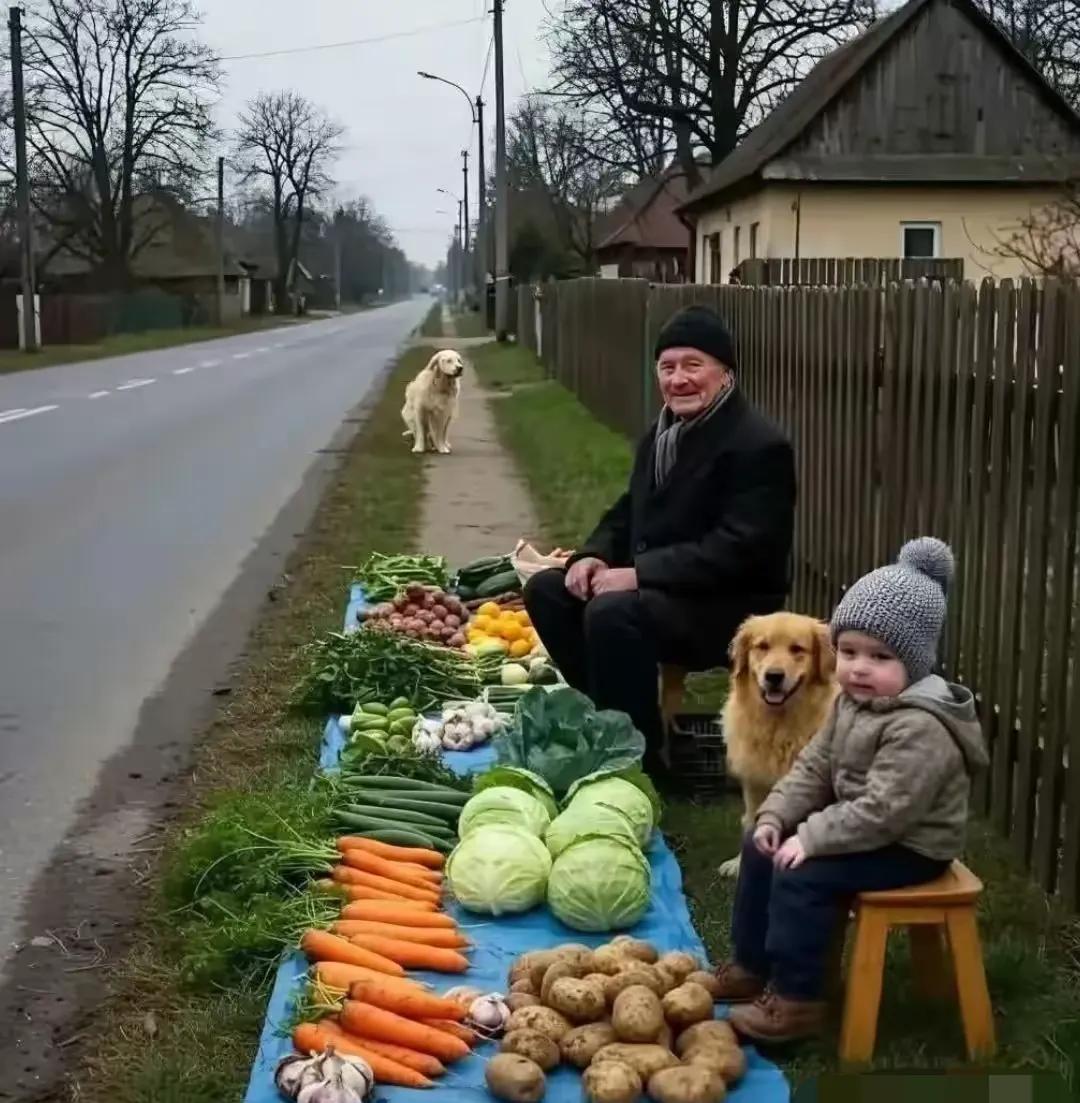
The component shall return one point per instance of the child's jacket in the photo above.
(891, 770)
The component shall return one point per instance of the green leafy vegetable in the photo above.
(499, 870)
(584, 818)
(384, 576)
(599, 883)
(560, 735)
(503, 805)
(611, 791)
(515, 777)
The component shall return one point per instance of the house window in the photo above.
(753, 239)
(920, 240)
(738, 255)
(714, 258)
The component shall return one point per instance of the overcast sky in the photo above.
(404, 135)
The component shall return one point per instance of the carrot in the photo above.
(347, 875)
(393, 871)
(429, 876)
(426, 936)
(406, 914)
(384, 1026)
(372, 880)
(410, 1005)
(314, 1038)
(430, 858)
(339, 975)
(323, 946)
(412, 955)
(413, 1059)
(362, 892)
(447, 1026)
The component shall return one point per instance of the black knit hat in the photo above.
(698, 327)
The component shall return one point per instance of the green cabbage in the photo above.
(616, 792)
(503, 804)
(499, 870)
(583, 818)
(599, 883)
(518, 778)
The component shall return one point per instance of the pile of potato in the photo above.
(635, 1021)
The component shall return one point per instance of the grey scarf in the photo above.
(670, 429)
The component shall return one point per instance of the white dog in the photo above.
(431, 402)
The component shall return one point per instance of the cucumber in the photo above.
(370, 723)
(360, 815)
(396, 836)
(391, 781)
(505, 583)
(374, 708)
(377, 811)
(400, 703)
(448, 813)
(401, 714)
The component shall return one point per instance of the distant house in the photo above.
(643, 236)
(928, 136)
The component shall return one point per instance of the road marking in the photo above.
(99, 394)
(278, 344)
(263, 348)
(182, 371)
(241, 355)
(17, 410)
(18, 415)
(209, 363)
(131, 384)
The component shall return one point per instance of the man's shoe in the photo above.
(776, 1020)
(736, 984)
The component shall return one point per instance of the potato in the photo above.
(539, 960)
(580, 1045)
(689, 1084)
(543, 1019)
(712, 1032)
(581, 957)
(666, 1037)
(667, 977)
(611, 1082)
(644, 1059)
(729, 1061)
(578, 1000)
(515, 1079)
(609, 959)
(636, 948)
(680, 964)
(597, 978)
(707, 981)
(557, 970)
(517, 1000)
(639, 975)
(687, 1004)
(534, 1045)
(637, 1014)
(524, 985)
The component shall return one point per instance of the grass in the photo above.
(255, 753)
(470, 323)
(575, 467)
(123, 344)
(432, 325)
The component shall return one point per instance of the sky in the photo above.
(404, 135)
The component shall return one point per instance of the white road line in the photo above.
(278, 345)
(182, 371)
(209, 363)
(131, 384)
(18, 415)
(99, 394)
(241, 355)
(263, 348)
(17, 410)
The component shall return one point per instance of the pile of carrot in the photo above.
(392, 922)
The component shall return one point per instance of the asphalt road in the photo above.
(132, 490)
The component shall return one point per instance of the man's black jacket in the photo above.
(718, 533)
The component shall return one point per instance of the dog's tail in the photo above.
(408, 433)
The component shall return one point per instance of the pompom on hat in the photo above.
(902, 605)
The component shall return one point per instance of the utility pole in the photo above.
(22, 184)
(465, 201)
(220, 241)
(481, 213)
(337, 262)
(461, 248)
(502, 213)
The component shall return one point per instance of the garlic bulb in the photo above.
(489, 1014)
(463, 994)
(289, 1076)
(325, 1078)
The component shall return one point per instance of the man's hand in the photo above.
(614, 579)
(766, 838)
(791, 855)
(579, 578)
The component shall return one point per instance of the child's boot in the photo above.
(777, 1019)
(734, 984)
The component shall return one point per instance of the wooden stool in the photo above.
(672, 692)
(945, 906)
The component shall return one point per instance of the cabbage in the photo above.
(518, 778)
(499, 870)
(599, 883)
(621, 794)
(503, 804)
(588, 818)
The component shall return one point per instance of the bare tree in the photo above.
(287, 144)
(707, 69)
(1046, 240)
(118, 103)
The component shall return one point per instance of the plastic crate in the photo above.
(697, 753)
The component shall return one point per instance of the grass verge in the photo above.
(161, 1037)
(470, 323)
(432, 325)
(575, 467)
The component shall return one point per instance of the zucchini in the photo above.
(374, 708)
(376, 811)
(379, 823)
(400, 703)
(390, 781)
(505, 583)
(400, 837)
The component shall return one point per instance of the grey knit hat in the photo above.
(902, 605)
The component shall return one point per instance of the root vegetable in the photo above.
(689, 1084)
(441, 612)
(637, 1014)
(728, 1061)
(707, 981)
(680, 964)
(666, 1037)
(667, 978)
(643, 975)
(646, 1060)
(636, 948)
(611, 1082)
(515, 1079)
(688, 1004)
(712, 1031)
(538, 963)
(538, 1047)
(609, 959)
(580, 1045)
(559, 970)
(578, 1000)
(517, 1000)
(524, 985)
(543, 1019)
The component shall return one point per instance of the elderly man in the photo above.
(700, 540)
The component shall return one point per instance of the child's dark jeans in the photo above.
(784, 920)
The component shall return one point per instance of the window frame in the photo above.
(922, 224)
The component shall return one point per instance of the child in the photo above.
(877, 800)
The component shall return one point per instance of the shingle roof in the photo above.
(646, 214)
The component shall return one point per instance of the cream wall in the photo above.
(865, 221)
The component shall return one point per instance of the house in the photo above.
(928, 136)
(643, 236)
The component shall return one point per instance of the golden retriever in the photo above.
(783, 683)
(431, 401)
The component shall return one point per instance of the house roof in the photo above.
(645, 215)
(827, 80)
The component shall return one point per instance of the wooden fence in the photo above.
(916, 409)
(841, 271)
